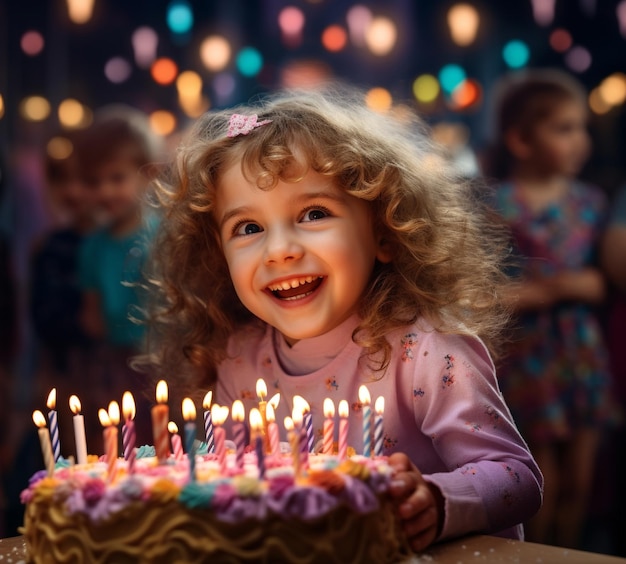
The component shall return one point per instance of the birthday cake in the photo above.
(334, 511)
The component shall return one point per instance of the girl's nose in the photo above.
(282, 246)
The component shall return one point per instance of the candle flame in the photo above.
(364, 395)
(288, 424)
(189, 410)
(161, 391)
(297, 416)
(275, 400)
(208, 398)
(219, 414)
(270, 415)
(114, 413)
(344, 409)
(300, 403)
(104, 417)
(238, 412)
(75, 405)
(329, 408)
(379, 406)
(256, 421)
(52, 399)
(39, 419)
(128, 405)
(261, 389)
(172, 427)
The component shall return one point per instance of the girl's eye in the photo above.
(247, 228)
(315, 214)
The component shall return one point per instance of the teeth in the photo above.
(294, 283)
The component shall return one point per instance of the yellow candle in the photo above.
(44, 439)
(160, 418)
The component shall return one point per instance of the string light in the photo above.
(560, 40)
(379, 99)
(358, 18)
(215, 52)
(450, 76)
(381, 36)
(543, 11)
(164, 71)
(117, 70)
(32, 43)
(426, 88)
(578, 59)
(145, 41)
(71, 113)
(162, 122)
(463, 21)
(35, 108)
(179, 17)
(334, 38)
(516, 54)
(80, 11)
(249, 61)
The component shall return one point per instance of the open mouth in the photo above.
(296, 288)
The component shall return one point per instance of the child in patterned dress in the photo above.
(556, 376)
(320, 246)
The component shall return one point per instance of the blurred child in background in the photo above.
(116, 157)
(556, 378)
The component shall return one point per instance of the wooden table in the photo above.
(469, 550)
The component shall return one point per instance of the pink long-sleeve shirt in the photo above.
(443, 409)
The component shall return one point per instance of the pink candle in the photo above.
(256, 426)
(272, 429)
(239, 432)
(329, 426)
(160, 417)
(344, 411)
(220, 413)
(177, 442)
(129, 436)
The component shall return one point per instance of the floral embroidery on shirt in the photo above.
(473, 426)
(408, 342)
(357, 406)
(389, 442)
(276, 385)
(491, 412)
(512, 473)
(508, 498)
(331, 383)
(419, 393)
(448, 378)
(247, 394)
(468, 470)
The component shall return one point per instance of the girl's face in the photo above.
(560, 143)
(300, 255)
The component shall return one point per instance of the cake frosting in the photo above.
(335, 511)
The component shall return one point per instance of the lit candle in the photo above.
(261, 392)
(114, 416)
(54, 425)
(329, 426)
(220, 413)
(177, 443)
(365, 399)
(44, 439)
(256, 426)
(272, 429)
(160, 417)
(110, 442)
(292, 438)
(208, 422)
(275, 400)
(301, 437)
(189, 415)
(303, 406)
(344, 411)
(129, 435)
(79, 431)
(379, 408)
(239, 432)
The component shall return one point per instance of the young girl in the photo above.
(321, 246)
(556, 377)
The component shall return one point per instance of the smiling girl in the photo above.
(319, 245)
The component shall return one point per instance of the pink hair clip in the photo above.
(242, 125)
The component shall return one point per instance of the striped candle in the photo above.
(303, 406)
(365, 399)
(44, 439)
(129, 435)
(219, 416)
(177, 443)
(344, 411)
(239, 432)
(209, 438)
(272, 429)
(301, 438)
(329, 426)
(53, 422)
(379, 408)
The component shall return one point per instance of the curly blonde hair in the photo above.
(446, 264)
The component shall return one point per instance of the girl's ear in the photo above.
(384, 252)
(517, 144)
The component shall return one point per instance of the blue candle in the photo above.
(189, 415)
(365, 399)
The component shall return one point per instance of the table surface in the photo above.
(467, 550)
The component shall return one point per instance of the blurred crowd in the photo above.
(78, 321)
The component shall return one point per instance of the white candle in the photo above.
(44, 439)
(79, 431)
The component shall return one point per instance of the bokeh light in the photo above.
(597, 103)
(189, 84)
(620, 12)
(334, 38)
(1, 106)
(304, 74)
(80, 11)
(426, 88)
(291, 20)
(224, 85)
(32, 43)
(381, 36)
(613, 89)
(516, 54)
(35, 108)
(543, 11)
(560, 40)
(578, 59)
(162, 122)
(463, 21)
(59, 148)
(145, 41)
(450, 76)
(215, 52)
(249, 61)
(117, 70)
(466, 94)
(71, 113)
(359, 18)
(164, 71)
(179, 16)
(378, 99)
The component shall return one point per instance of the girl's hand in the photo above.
(420, 504)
